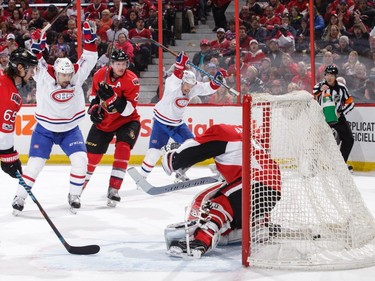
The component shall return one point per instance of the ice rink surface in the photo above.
(130, 235)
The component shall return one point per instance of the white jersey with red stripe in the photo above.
(170, 109)
(60, 110)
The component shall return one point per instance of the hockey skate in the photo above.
(181, 176)
(18, 204)
(74, 202)
(180, 249)
(113, 197)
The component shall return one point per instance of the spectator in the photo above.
(327, 60)
(189, 14)
(318, 23)
(142, 53)
(300, 6)
(278, 8)
(264, 70)
(288, 67)
(232, 71)
(255, 54)
(349, 66)
(204, 54)
(269, 20)
(115, 29)
(359, 38)
(341, 52)
(14, 22)
(274, 52)
(4, 57)
(367, 14)
(115, 9)
(256, 31)
(124, 44)
(105, 21)
(295, 18)
(285, 39)
(221, 96)
(95, 9)
(245, 16)
(25, 9)
(9, 11)
(131, 20)
(331, 39)
(357, 82)
(252, 83)
(293, 87)
(59, 50)
(254, 7)
(230, 34)
(277, 87)
(71, 12)
(70, 34)
(221, 44)
(218, 12)
(286, 23)
(142, 7)
(369, 95)
(303, 78)
(244, 38)
(11, 43)
(36, 20)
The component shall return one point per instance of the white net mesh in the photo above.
(320, 221)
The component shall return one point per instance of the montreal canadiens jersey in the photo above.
(57, 109)
(10, 104)
(170, 109)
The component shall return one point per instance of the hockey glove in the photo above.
(217, 81)
(96, 115)
(89, 32)
(112, 100)
(11, 164)
(181, 61)
(38, 41)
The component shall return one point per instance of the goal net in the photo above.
(301, 207)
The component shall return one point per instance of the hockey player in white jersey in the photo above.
(168, 121)
(60, 107)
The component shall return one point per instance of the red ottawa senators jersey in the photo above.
(10, 103)
(127, 86)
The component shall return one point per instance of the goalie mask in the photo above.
(64, 71)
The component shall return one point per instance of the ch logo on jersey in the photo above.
(16, 97)
(63, 95)
(182, 102)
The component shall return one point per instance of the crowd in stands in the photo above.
(274, 39)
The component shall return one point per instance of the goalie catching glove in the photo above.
(112, 100)
(96, 115)
(38, 41)
(10, 163)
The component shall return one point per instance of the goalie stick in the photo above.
(140, 40)
(155, 190)
(75, 250)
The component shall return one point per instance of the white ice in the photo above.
(130, 235)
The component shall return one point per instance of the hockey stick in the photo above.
(44, 30)
(155, 190)
(231, 90)
(80, 250)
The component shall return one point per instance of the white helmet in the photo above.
(189, 77)
(63, 65)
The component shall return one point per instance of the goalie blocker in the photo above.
(214, 217)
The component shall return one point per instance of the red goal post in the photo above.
(300, 206)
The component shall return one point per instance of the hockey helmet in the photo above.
(189, 77)
(119, 55)
(331, 69)
(22, 56)
(63, 65)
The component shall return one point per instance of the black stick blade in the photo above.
(83, 250)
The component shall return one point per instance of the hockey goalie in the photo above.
(214, 216)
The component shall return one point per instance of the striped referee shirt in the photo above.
(343, 100)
